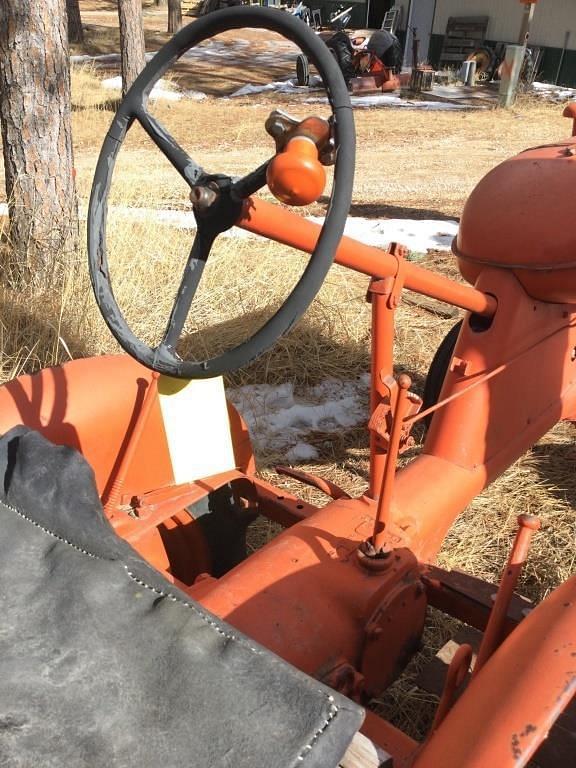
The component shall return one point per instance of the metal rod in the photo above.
(283, 226)
(528, 525)
(382, 366)
(385, 499)
(118, 483)
(455, 677)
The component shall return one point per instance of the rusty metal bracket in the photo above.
(392, 286)
(283, 127)
(382, 417)
(456, 678)
(344, 678)
(400, 252)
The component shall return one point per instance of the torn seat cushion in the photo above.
(105, 663)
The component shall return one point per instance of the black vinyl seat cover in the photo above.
(105, 663)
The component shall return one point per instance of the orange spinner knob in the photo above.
(295, 176)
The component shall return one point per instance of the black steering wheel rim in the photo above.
(134, 107)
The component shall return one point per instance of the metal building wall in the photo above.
(552, 19)
(405, 5)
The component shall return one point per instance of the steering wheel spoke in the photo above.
(252, 182)
(190, 171)
(188, 286)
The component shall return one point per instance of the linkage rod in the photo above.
(284, 226)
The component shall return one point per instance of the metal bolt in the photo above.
(203, 197)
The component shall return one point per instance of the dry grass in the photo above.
(412, 164)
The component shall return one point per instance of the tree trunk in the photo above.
(174, 15)
(75, 31)
(132, 49)
(36, 138)
(159, 2)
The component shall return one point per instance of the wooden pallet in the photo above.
(463, 35)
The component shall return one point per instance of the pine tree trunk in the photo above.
(132, 49)
(75, 31)
(174, 16)
(36, 138)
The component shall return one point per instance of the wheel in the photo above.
(438, 370)
(302, 70)
(343, 52)
(228, 198)
(485, 59)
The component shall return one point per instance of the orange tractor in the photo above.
(135, 630)
(364, 71)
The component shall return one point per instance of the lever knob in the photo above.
(295, 176)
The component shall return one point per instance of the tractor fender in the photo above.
(508, 709)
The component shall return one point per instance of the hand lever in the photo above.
(295, 175)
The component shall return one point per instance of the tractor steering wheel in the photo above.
(230, 196)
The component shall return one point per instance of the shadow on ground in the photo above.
(386, 211)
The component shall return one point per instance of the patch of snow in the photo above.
(278, 420)
(112, 83)
(279, 51)
(103, 58)
(194, 95)
(163, 89)
(417, 235)
(280, 86)
(291, 86)
(301, 452)
(217, 49)
(553, 92)
(387, 100)
(177, 219)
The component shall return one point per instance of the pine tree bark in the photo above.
(174, 16)
(132, 47)
(75, 31)
(36, 139)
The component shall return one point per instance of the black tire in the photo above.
(438, 370)
(341, 48)
(393, 57)
(302, 70)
